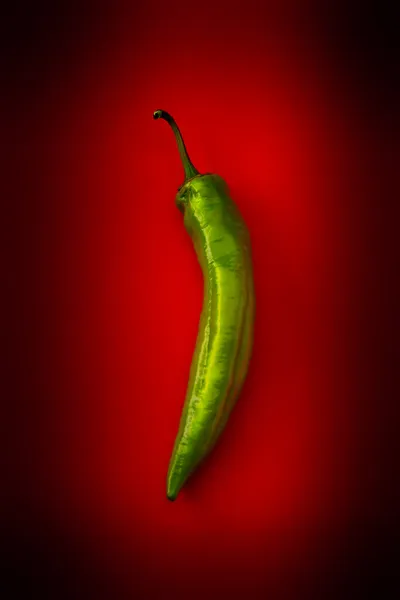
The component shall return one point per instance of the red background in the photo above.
(111, 293)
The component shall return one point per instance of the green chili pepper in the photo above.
(225, 337)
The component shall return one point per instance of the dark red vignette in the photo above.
(111, 294)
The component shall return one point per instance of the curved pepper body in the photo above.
(225, 335)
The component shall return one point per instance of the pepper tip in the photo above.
(157, 114)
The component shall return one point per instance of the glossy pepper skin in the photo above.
(225, 336)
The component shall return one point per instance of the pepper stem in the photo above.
(190, 170)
